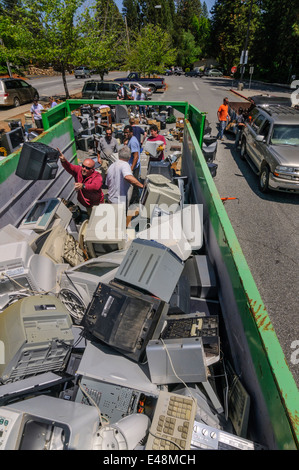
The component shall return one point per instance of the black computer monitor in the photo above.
(13, 139)
(123, 318)
(37, 161)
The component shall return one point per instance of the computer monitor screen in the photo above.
(45, 213)
(13, 139)
(123, 318)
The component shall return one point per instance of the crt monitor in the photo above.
(48, 423)
(123, 318)
(13, 139)
(106, 229)
(159, 190)
(37, 336)
(37, 161)
(22, 272)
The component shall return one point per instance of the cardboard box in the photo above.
(180, 123)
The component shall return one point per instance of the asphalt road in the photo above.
(266, 226)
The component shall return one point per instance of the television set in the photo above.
(13, 139)
(37, 161)
(123, 318)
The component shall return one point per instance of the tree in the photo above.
(189, 51)
(101, 44)
(276, 44)
(54, 32)
(151, 51)
(228, 29)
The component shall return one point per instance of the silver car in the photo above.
(270, 144)
(15, 91)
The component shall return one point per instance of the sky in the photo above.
(209, 3)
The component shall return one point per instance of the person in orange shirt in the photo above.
(223, 117)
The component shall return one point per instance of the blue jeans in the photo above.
(222, 126)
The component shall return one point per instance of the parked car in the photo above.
(270, 144)
(214, 73)
(101, 90)
(15, 91)
(266, 100)
(168, 72)
(178, 71)
(82, 72)
(194, 73)
(145, 89)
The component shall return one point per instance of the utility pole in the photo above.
(246, 42)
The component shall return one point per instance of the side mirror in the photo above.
(260, 138)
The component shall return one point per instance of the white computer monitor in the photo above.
(23, 272)
(45, 213)
(159, 191)
(77, 285)
(106, 229)
(37, 335)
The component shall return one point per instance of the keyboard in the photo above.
(172, 424)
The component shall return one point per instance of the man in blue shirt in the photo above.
(134, 161)
(138, 132)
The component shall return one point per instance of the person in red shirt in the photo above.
(223, 117)
(88, 182)
(155, 136)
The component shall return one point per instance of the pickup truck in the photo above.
(153, 83)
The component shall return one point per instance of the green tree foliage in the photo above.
(54, 32)
(229, 27)
(101, 43)
(189, 51)
(276, 43)
(151, 51)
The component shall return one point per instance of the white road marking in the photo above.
(195, 86)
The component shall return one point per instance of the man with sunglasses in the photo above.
(88, 183)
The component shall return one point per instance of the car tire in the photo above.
(153, 88)
(243, 150)
(16, 102)
(264, 179)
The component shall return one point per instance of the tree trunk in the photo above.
(67, 95)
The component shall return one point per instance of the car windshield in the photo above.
(285, 134)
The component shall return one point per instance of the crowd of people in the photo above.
(118, 168)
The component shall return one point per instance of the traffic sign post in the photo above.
(251, 69)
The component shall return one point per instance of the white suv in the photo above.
(270, 144)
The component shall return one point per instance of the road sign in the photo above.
(233, 69)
